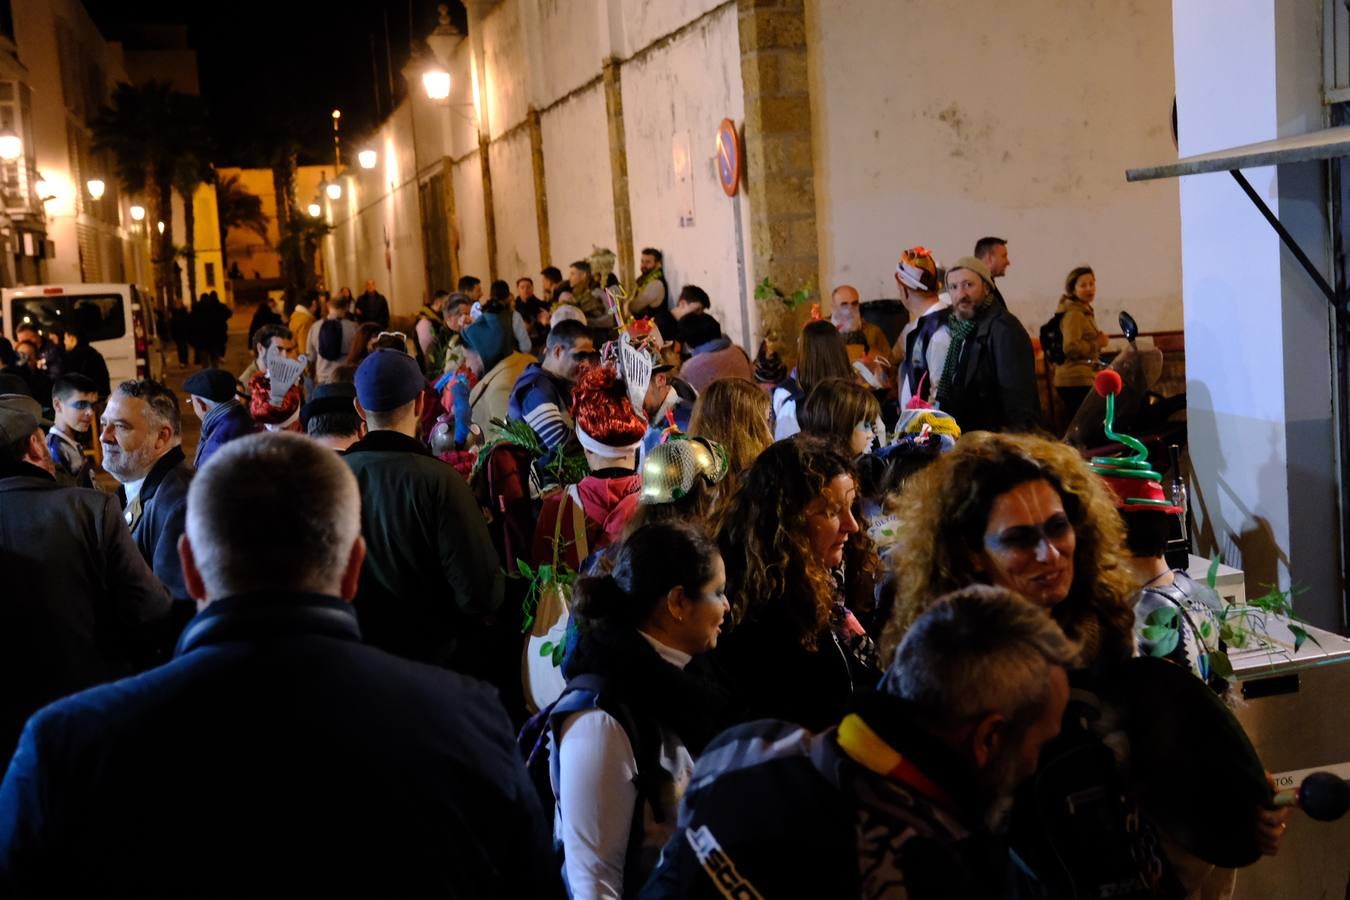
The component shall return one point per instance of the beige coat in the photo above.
(1082, 344)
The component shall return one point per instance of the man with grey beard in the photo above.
(142, 449)
(907, 795)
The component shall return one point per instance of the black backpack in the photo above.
(1052, 340)
(330, 340)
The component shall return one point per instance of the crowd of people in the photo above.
(570, 595)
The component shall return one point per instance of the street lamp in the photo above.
(436, 82)
(11, 147)
(44, 189)
(334, 190)
(96, 188)
(367, 159)
(160, 226)
(137, 213)
(314, 210)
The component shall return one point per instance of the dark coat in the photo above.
(163, 518)
(278, 755)
(995, 386)
(430, 568)
(220, 427)
(262, 316)
(76, 595)
(85, 360)
(372, 307)
(791, 814)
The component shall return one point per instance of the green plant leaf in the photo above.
(528, 623)
(558, 654)
(1167, 643)
(1300, 636)
(546, 648)
(1206, 630)
(1163, 615)
(524, 568)
(1156, 632)
(1221, 665)
(546, 575)
(1212, 576)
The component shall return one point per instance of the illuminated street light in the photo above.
(436, 82)
(337, 113)
(160, 225)
(334, 190)
(96, 188)
(137, 213)
(367, 159)
(315, 210)
(11, 147)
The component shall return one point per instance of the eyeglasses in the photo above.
(394, 334)
(1028, 538)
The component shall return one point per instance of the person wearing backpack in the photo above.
(1081, 341)
(331, 341)
(637, 709)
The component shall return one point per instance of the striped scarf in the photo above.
(960, 329)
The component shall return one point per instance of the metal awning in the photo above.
(1326, 143)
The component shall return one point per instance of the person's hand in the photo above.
(1270, 828)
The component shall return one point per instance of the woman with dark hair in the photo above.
(796, 652)
(843, 413)
(1083, 340)
(821, 354)
(361, 348)
(636, 712)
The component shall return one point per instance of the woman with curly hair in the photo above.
(734, 413)
(796, 652)
(1027, 514)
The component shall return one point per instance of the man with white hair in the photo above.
(276, 748)
(906, 796)
(142, 448)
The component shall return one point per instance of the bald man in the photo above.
(861, 337)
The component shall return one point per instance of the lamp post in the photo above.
(367, 159)
(96, 188)
(443, 41)
(11, 146)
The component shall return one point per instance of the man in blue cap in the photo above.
(431, 571)
(211, 392)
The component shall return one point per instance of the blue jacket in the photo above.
(163, 519)
(276, 754)
(224, 423)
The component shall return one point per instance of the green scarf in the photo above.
(960, 329)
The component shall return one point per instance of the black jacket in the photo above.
(995, 388)
(85, 360)
(275, 755)
(430, 569)
(163, 518)
(77, 595)
(790, 814)
(372, 307)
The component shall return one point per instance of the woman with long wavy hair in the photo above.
(796, 652)
(1020, 512)
(734, 413)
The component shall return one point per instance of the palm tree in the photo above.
(239, 208)
(149, 130)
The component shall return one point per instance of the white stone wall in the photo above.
(687, 87)
(1012, 119)
(577, 177)
(513, 198)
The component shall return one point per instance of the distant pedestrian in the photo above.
(212, 395)
(372, 306)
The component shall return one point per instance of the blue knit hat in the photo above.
(388, 379)
(490, 337)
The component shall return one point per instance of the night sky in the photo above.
(282, 66)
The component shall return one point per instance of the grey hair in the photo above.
(273, 511)
(976, 651)
(162, 402)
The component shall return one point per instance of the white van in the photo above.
(116, 317)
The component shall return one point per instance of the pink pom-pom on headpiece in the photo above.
(1108, 383)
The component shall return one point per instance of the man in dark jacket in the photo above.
(431, 570)
(81, 358)
(142, 449)
(372, 307)
(276, 749)
(905, 796)
(983, 371)
(78, 597)
(211, 392)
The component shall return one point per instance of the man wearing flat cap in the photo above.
(979, 366)
(330, 416)
(212, 395)
(431, 571)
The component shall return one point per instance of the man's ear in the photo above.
(360, 410)
(987, 738)
(192, 576)
(351, 575)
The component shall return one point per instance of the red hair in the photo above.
(260, 402)
(601, 408)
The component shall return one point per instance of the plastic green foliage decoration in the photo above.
(767, 290)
